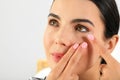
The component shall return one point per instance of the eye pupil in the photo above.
(53, 23)
(81, 28)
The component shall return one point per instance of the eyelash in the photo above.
(81, 28)
(53, 22)
(78, 27)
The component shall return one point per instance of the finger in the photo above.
(94, 49)
(63, 62)
(69, 77)
(98, 49)
(77, 63)
(75, 77)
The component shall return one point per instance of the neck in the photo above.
(93, 73)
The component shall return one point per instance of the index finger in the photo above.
(59, 68)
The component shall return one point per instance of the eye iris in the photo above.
(81, 28)
(53, 23)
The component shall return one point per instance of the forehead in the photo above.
(75, 9)
(73, 3)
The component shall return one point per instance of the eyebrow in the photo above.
(74, 20)
(82, 20)
(54, 15)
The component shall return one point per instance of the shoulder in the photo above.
(43, 73)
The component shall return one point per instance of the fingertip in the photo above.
(84, 45)
(75, 46)
(90, 37)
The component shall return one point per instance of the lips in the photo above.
(57, 56)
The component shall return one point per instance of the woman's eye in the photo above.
(81, 28)
(53, 23)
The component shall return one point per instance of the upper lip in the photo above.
(58, 54)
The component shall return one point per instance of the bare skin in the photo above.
(77, 61)
(73, 32)
(69, 70)
(110, 71)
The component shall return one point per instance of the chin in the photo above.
(51, 63)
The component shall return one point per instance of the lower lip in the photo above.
(57, 57)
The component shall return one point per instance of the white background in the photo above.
(22, 24)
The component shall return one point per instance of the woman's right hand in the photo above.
(76, 61)
(67, 67)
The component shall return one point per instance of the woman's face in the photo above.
(69, 22)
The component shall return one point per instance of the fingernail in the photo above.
(90, 36)
(75, 46)
(84, 45)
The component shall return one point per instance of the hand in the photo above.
(95, 48)
(111, 70)
(67, 67)
(76, 61)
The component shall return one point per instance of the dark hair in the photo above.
(109, 15)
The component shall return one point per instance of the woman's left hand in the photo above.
(111, 70)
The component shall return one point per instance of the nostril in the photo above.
(62, 42)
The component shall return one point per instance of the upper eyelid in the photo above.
(50, 18)
(79, 24)
(88, 28)
(54, 20)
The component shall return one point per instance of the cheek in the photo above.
(48, 39)
(101, 40)
(99, 35)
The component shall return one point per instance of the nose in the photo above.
(64, 37)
